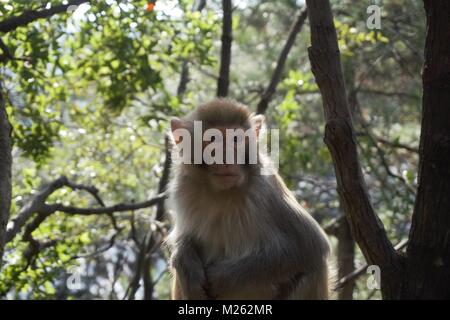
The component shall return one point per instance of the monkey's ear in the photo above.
(257, 122)
(175, 125)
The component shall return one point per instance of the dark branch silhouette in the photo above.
(184, 76)
(365, 225)
(428, 252)
(225, 54)
(29, 16)
(362, 270)
(270, 90)
(5, 171)
(38, 205)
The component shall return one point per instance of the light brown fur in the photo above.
(252, 241)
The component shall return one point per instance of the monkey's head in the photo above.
(218, 143)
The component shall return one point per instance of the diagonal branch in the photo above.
(105, 210)
(270, 90)
(43, 210)
(355, 105)
(365, 225)
(33, 15)
(362, 270)
(6, 53)
(38, 205)
(90, 189)
(391, 144)
(184, 76)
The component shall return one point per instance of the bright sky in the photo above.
(166, 7)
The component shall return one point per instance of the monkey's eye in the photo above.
(235, 139)
(213, 138)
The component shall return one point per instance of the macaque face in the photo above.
(225, 176)
(225, 151)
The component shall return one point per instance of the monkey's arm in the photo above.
(274, 264)
(176, 293)
(190, 273)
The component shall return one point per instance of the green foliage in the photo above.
(351, 40)
(112, 54)
(90, 93)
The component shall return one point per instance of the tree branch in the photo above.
(29, 16)
(392, 144)
(6, 53)
(184, 75)
(38, 205)
(106, 210)
(366, 227)
(276, 76)
(160, 210)
(5, 171)
(333, 226)
(361, 270)
(380, 152)
(225, 54)
(389, 94)
(345, 253)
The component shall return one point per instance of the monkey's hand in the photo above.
(220, 278)
(190, 273)
(269, 264)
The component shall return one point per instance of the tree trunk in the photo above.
(5, 172)
(345, 256)
(428, 252)
(366, 227)
(164, 181)
(225, 54)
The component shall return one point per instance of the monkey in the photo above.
(237, 233)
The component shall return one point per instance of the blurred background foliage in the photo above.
(91, 91)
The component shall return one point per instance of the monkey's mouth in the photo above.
(226, 175)
(226, 180)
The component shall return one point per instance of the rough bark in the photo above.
(276, 76)
(428, 252)
(153, 243)
(363, 269)
(147, 278)
(225, 54)
(164, 181)
(346, 259)
(5, 172)
(366, 227)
